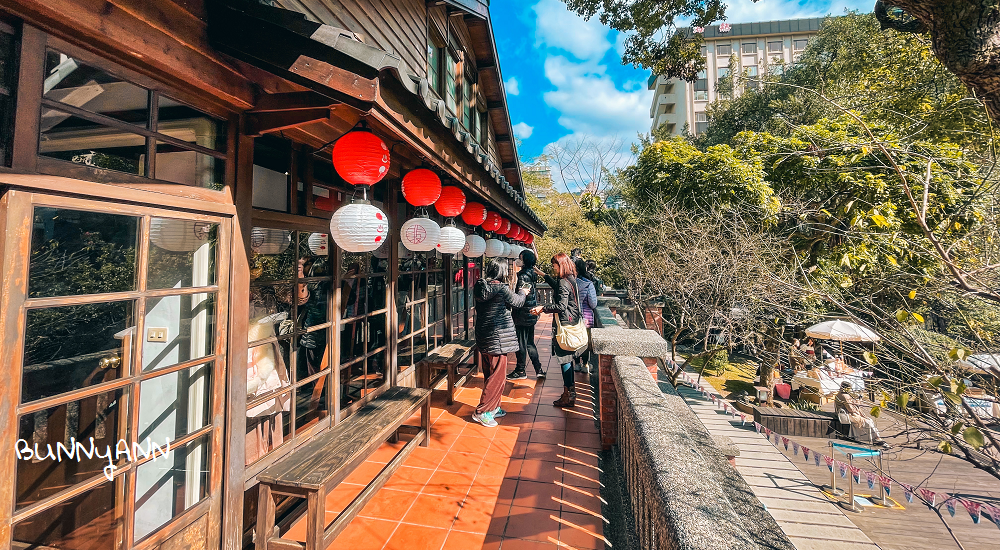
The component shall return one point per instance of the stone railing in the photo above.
(676, 481)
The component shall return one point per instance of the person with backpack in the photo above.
(524, 320)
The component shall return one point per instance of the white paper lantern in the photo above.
(451, 240)
(516, 251)
(506, 250)
(359, 227)
(474, 246)
(420, 234)
(270, 241)
(494, 248)
(319, 244)
(179, 235)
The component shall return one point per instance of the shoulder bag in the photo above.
(572, 337)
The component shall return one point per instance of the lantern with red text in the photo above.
(318, 244)
(361, 157)
(420, 234)
(421, 187)
(492, 222)
(451, 203)
(475, 246)
(474, 214)
(359, 227)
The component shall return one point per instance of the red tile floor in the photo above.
(532, 483)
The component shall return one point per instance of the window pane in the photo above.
(72, 82)
(72, 347)
(191, 125)
(178, 329)
(310, 356)
(268, 427)
(267, 372)
(314, 248)
(352, 384)
(269, 307)
(59, 433)
(724, 49)
(376, 331)
(168, 485)
(175, 404)
(179, 165)
(8, 81)
(181, 253)
(749, 47)
(376, 371)
(273, 255)
(774, 46)
(310, 403)
(74, 252)
(89, 521)
(66, 137)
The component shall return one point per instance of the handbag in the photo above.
(572, 337)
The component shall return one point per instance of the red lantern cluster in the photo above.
(530, 239)
(492, 222)
(451, 203)
(474, 214)
(361, 158)
(504, 228)
(421, 187)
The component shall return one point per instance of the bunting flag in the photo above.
(929, 496)
(805, 453)
(871, 480)
(795, 448)
(776, 437)
(907, 492)
(757, 426)
(784, 441)
(886, 483)
(829, 462)
(973, 508)
(949, 503)
(842, 468)
(816, 458)
(855, 473)
(743, 419)
(994, 513)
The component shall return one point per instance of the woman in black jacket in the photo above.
(567, 306)
(495, 335)
(524, 320)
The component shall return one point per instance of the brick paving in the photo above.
(532, 483)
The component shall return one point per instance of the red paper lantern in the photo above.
(474, 214)
(492, 222)
(421, 187)
(451, 203)
(361, 158)
(504, 228)
(530, 239)
(516, 232)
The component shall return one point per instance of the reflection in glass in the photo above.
(184, 123)
(167, 486)
(72, 347)
(273, 257)
(267, 372)
(178, 329)
(314, 248)
(417, 317)
(310, 403)
(75, 252)
(311, 357)
(180, 165)
(376, 293)
(419, 347)
(59, 431)
(376, 371)
(351, 340)
(268, 430)
(175, 404)
(376, 331)
(72, 82)
(181, 253)
(270, 305)
(352, 383)
(88, 521)
(70, 138)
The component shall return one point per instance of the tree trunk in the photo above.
(965, 37)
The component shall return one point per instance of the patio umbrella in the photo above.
(842, 331)
(985, 363)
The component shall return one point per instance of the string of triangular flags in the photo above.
(931, 498)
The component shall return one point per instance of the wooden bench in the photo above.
(315, 468)
(793, 422)
(448, 358)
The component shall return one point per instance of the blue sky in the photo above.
(564, 75)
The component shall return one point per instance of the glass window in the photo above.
(175, 404)
(452, 82)
(774, 47)
(723, 49)
(177, 164)
(701, 84)
(167, 486)
(71, 82)
(469, 104)
(190, 125)
(88, 520)
(800, 44)
(722, 72)
(82, 141)
(435, 63)
(704, 51)
(182, 253)
(752, 82)
(178, 328)
(701, 123)
(484, 128)
(8, 91)
(749, 47)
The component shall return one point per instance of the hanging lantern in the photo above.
(179, 235)
(504, 227)
(269, 241)
(361, 158)
(530, 239)
(451, 241)
(492, 222)
(420, 234)
(474, 214)
(506, 250)
(451, 203)
(359, 227)
(475, 246)
(421, 187)
(494, 248)
(319, 244)
(517, 251)
(516, 232)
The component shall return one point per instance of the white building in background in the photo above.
(758, 48)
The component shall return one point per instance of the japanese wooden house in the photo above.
(165, 175)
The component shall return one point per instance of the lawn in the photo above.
(738, 376)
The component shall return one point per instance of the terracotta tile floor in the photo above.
(532, 483)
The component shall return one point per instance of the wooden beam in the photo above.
(486, 65)
(292, 101)
(257, 124)
(509, 165)
(494, 105)
(503, 137)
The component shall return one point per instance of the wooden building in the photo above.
(165, 185)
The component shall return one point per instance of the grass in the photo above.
(737, 377)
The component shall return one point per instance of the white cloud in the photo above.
(557, 27)
(589, 102)
(776, 10)
(512, 86)
(523, 131)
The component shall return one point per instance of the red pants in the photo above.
(495, 377)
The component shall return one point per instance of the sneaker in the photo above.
(518, 374)
(486, 419)
(499, 413)
(540, 375)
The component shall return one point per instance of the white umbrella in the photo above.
(983, 362)
(842, 331)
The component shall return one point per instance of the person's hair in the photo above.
(581, 268)
(496, 269)
(528, 258)
(564, 266)
(591, 266)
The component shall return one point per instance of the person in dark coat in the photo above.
(588, 302)
(495, 335)
(566, 305)
(524, 320)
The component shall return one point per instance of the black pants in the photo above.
(526, 348)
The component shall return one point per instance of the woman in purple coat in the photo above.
(588, 303)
